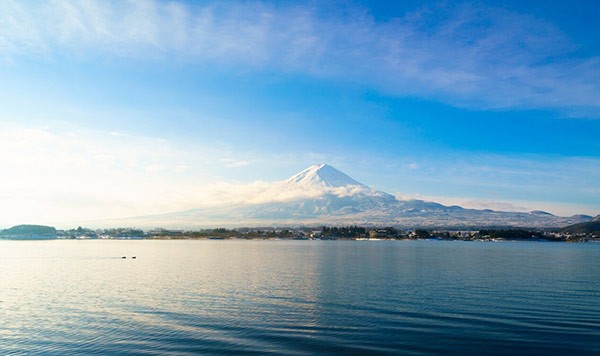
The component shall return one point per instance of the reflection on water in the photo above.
(298, 297)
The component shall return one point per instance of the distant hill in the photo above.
(540, 212)
(582, 217)
(584, 227)
(29, 231)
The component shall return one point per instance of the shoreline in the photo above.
(169, 238)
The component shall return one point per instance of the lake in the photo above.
(298, 297)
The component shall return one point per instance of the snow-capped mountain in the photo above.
(321, 194)
(322, 175)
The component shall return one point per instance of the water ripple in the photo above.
(192, 297)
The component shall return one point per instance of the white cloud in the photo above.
(235, 163)
(181, 168)
(258, 192)
(155, 168)
(72, 175)
(466, 55)
(51, 175)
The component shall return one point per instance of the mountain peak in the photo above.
(322, 175)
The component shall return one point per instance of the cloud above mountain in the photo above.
(313, 182)
(466, 55)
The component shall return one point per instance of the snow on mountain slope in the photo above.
(322, 175)
(317, 182)
(319, 190)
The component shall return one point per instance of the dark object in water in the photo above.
(133, 257)
(124, 257)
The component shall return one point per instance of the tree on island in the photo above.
(29, 230)
(422, 234)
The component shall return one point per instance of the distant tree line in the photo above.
(511, 234)
(344, 232)
(30, 232)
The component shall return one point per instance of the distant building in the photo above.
(382, 234)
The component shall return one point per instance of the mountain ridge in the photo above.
(592, 226)
(323, 195)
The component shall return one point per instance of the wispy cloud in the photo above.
(560, 185)
(52, 175)
(235, 163)
(562, 209)
(471, 203)
(466, 55)
(57, 173)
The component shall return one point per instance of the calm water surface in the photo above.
(298, 297)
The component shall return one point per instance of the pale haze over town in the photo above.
(122, 109)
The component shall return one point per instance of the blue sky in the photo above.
(128, 108)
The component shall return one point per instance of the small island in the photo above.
(29, 232)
